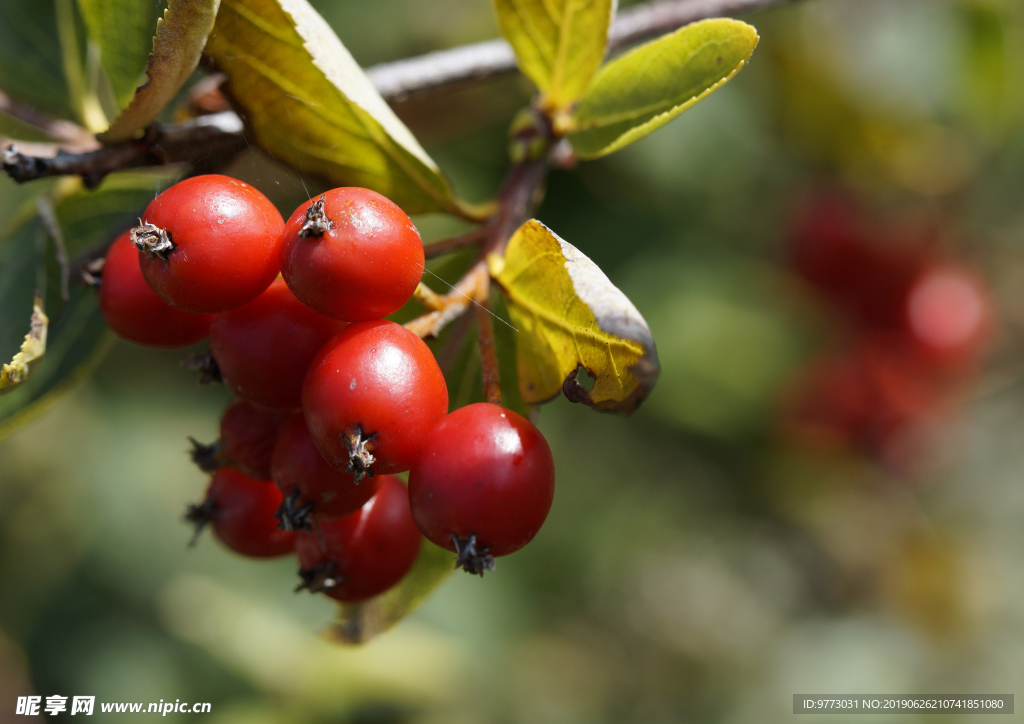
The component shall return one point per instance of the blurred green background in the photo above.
(698, 564)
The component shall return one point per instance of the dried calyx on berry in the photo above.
(291, 516)
(320, 578)
(199, 516)
(316, 223)
(205, 365)
(152, 240)
(470, 558)
(360, 459)
(207, 457)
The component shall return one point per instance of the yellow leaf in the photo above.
(308, 103)
(180, 36)
(559, 43)
(569, 314)
(31, 352)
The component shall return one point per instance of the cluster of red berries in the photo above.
(331, 400)
(916, 326)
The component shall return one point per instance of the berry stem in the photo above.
(488, 353)
(455, 303)
(455, 243)
(428, 297)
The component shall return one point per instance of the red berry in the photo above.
(263, 348)
(135, 312)
(298, 465)
(365, 553)
(209, 243)
(241, 511)
(371, 395)
(948, 311)
(859, 268)
(247, 435)
(483, 484)
(352, 254)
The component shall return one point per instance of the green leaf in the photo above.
(559, 43)
(647, 87)
(569, 315)
(77, 335)
(81, 67)
(180, 37)
(31, 67)
(123, 31)
(308, 103)
(17, 129)
(359, 622)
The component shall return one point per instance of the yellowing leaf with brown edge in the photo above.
(308, 103)
(559, 44)
(32, 350)
(569, 314)
(180, 36)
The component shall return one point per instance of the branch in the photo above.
(494, 58)
(220, 135)
(214, 136)
(454, 303)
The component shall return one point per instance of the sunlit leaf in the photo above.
(359, 622)
(569, 314)
(81, 67)
(647, 87)
(77, 336)
(559, 44)
(308, 103)
(180, 36)
(123, 31)
(32, 349)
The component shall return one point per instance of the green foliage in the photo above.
(77, 334)
(559, 43)
(30, 70)
(306, 102)
(309, 104)
(11, 127)
(180, 37)
(123, 32)
(647, 87)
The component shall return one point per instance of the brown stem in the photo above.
(488, 353)
(455, 243)
(217, 136)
